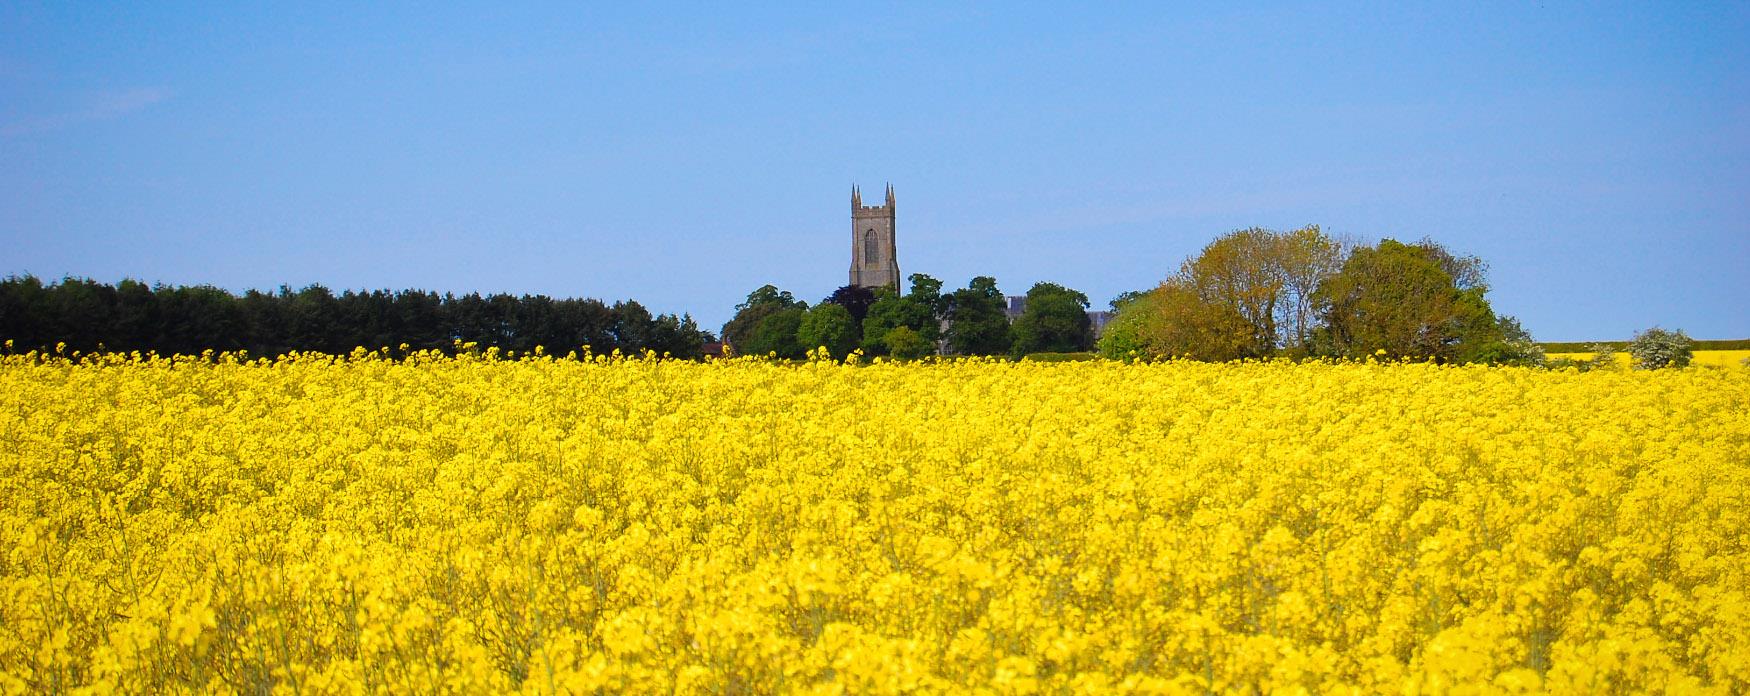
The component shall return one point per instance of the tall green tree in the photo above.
(856, 299)
(889, 311)
(676, 336)
(632, 326)
(1055, 320)
(892, 311)
(25, 317)
(926, 290)
(917, 310)
(137, 320)
(776, 334)
(424, 327)
(1401, 299)
(85, 312)
(976, 323)
(830, 326)
(200, 318)
(763, 302)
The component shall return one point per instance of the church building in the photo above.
(874, 255)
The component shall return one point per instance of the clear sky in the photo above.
(1596, 155)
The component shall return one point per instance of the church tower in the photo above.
(874, 256)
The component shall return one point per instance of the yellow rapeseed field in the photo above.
(1702, 358)
(346, 525)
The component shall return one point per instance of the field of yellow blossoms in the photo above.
(1727, 359)
(359, 524)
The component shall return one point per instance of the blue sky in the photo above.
(1596, 155)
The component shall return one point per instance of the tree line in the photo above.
(924, 320)
(1251, 293)
(1257, 293)
(88, 316)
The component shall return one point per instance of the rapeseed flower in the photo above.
(633, 524)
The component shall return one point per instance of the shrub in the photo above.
(1123, 338)
(1657, 348)
(1510, 352)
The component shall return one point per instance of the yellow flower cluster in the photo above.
(339, 525)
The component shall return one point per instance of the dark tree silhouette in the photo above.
(90, 316)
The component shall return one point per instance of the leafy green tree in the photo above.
(1402, 299)
(829, 325)
(761, 303)
(474, 319)
(85, 313)
(891, 311)
(137, 321)
(24, 313)
(919, 310)
(1124, 298)
(976, 323)
(365, 319)
(1508, 344)
(1179, 322)
(311, 315)
(854, 298)
(768, 294)
(904, 343)
(424, 326)
(1055, 320)
(1123, 338)
(631, 328)
(1657, 348)
(1468, 272)
(927, 291)
(776, 334)
(200, 318)
(677, 336)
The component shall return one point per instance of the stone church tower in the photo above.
(874, 256)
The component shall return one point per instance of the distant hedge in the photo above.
(1586, 346)
(1060, 357)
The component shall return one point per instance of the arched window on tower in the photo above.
(871, 254)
